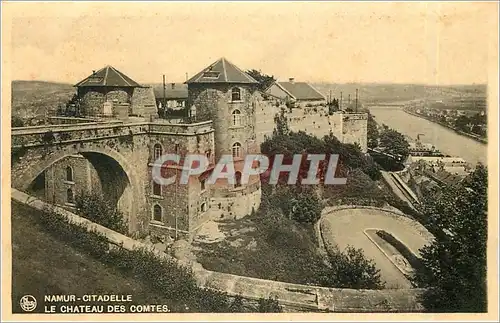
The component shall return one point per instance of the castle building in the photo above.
(110, 93)
(226, 117)
(221, 102)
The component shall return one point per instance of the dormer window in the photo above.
(236, 94)
(211, 75)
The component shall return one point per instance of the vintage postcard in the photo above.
(299, 161)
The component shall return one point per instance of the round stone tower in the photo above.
(228, 96)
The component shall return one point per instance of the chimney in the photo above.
(93, 72)
(173, 85)
(291, 80)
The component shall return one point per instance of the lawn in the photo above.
(43, 265)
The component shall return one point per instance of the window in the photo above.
(176, 148)
(237, 176)
(157, 213)
(236, 118)
(192, 112)
(211, 75)
(69, 174)
(236, 149)
(156, 189)
(236, 94)
(158, 151)
(202, 184)
(69, 196)
(203, 207)
(208, 153)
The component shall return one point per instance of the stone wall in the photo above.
(143, 102)
(56, 183)
(93, 98)
(355, 129)
(316, 121)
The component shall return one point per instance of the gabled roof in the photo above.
(108, 76)
(178, 91)
(301, 90)
(222, 71)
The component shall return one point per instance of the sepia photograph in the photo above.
(325, 159)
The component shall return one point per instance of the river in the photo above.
(446, 140)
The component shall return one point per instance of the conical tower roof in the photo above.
(222, 71)
(108, 76)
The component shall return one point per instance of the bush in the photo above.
(96, 208)
(350, 269)
(269, 305)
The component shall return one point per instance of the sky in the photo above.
(431, 43)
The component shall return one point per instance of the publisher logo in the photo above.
(28, 303)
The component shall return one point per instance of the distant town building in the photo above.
(173, 96)
(299, 93)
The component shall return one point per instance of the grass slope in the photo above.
(43, 265)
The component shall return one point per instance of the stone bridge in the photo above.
(119, 152)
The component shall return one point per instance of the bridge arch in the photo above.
(111, 166)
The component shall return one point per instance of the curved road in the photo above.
(346, 227)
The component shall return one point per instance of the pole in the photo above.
(164, 92)
(176, 206)
(356, 100)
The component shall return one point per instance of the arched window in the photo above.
(156, 189)
(236, 117)
(202, 184)
(192, 112)
(69, 173)
(158, 151)
(236, 94)
(237, 176)
(236, 149)
(69, 196)
(157, 213)
(203, 207)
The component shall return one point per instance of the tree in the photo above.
(454, 270)
(350, 269)
(16, 122)
(394, 143)
(372, 132)
(264, 80)
(461, 123)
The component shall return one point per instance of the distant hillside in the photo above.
(33, 98)
(376, 93)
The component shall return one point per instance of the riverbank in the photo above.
(476, 138)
